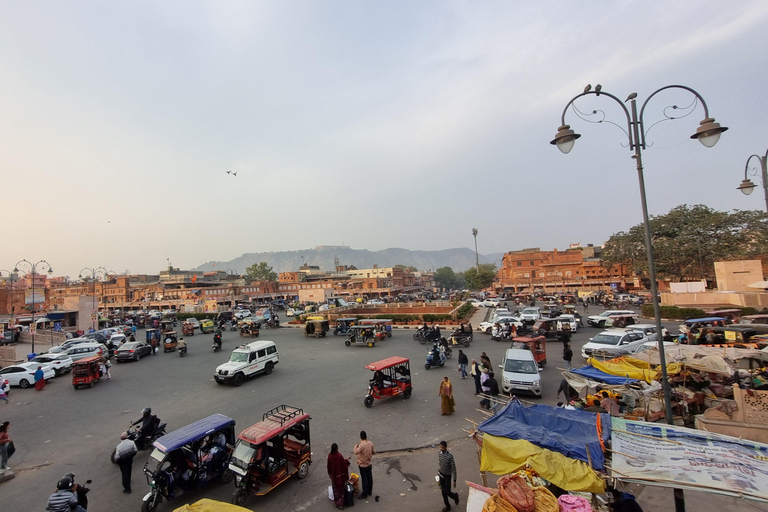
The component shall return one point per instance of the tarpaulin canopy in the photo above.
(569, 432)
(208, 505)
(634, 368)
(502, 456)
(593, 373)
(679, 457)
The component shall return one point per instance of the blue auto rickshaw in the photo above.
(188, 459)
(343, 325)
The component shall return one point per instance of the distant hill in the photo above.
(323, 256)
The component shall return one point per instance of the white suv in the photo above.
(599, 320)
(530, 315)
(246, 361)
(616, 342)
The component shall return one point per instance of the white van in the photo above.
(247, 360)
(520, 372)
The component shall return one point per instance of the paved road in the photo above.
(62, 430)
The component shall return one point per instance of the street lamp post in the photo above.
(33, 272)
(747, 185)
(477, 258)
(94, 311)
(708, 133)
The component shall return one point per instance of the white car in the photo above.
(61, 363)
(68, 344)
(196, 323)
(242, 313)
(289, 312)
(83, 350)
(23, 375)
(615, 342)
(375, 301)
(248, 360)
(487, 327)
(520, 372)
(599, 320)
(530, 315)
(490, 303)
(475, 302)
(570, 320)
(647, 329)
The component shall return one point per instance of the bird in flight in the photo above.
(232, 173)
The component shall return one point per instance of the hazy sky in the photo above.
(373, 124)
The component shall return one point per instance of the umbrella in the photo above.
(759, 284)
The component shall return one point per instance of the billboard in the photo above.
(39, 297)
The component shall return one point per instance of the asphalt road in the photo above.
(60, 430)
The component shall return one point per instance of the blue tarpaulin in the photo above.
(593, 373)
(569, 432)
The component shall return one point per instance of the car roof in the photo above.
(519, 354)
(706, 319)
(255, 345)
(615, 332)
(273, 424)
(192, 432)
(386, 363)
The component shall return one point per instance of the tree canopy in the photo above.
(446, 278)
(261, 272)
(688, 240)
(477, 280)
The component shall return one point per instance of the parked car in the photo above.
(132, 351)
(83, 350)
(97, 336)
(23, 375)
(648, 329)
(60, 362)
(616, 342)
(599, 320)
(194, 322)
(68, 344)
(490, 303)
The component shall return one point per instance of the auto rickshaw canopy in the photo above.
(191, 432)
(86, 361)
(273, 423)
(387, 363)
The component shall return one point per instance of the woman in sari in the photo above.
(446, 397)
(339, 473)
(39, 378)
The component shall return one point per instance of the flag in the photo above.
(194, 278)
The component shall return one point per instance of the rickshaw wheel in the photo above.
(303, 470)
(543, 362)
(368, 401)
(75, 386)
(226, 476)
(407, 393)
(370, 344)
(389, 335)
(347, 343)
(238, 498)
(151, 504)
(90, 384)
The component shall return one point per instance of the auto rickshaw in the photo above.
(316, 328)
(391, 377)
(166, 324)
(343, 325)
(620, 321)
(380, 325)
(188, 459)
(537, 345)
(169, 341)
(207, 326)
(361, 335)
(86, 371)
(153, 335)
(270, 452)
(250, 329)
(187, 329)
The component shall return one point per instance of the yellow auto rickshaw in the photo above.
(316, 328)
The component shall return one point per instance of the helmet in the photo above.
(70, 475)
(65, 483)
(146, 410)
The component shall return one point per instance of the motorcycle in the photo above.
(216, 346)
(133, 435)
(437, 356)
(459, 337)
(427, 334)
(183, 351)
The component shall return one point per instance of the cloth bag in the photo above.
(10, 449)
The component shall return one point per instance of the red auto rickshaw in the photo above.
(86, 371)
(537, 345)
(391, 377)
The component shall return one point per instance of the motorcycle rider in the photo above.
(149, 423)
(181, 345)
(80, 490)
(217, 340)
(64, 500)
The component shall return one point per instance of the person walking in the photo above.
(485, 360)
(124, 454)
(476, 373)
(5, 443)
(4, 385)
(338, 471)
(463, 364)
(446, 468)
(493, 391)
(485, 403)
(364, 452)
(446, 397)
(567, 356)
(108, 369)
(39, 378)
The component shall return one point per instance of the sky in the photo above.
(370, 124)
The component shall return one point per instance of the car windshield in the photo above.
(238, 357)
(243, 452)
(530, 311)
(128, 346)
(605, 313)
(606, 339)
(517, 366)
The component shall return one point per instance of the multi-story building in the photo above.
(578, 268)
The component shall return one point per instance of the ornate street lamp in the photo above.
(708, 133)
(747, 185)
(33, 271)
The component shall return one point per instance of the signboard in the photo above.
(57, 326)
(32, 328)
(679, 457)
(39, 297)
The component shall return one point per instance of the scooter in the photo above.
(133, 435)
(436, 357)
(216, 346)
(183, 351)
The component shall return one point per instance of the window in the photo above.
(271, 350)
(531, 263)
(262, 353)
(519, 263)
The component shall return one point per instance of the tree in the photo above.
(445, 278)
(477, 280)
(261, 272)
(688, 240)
(407, 267)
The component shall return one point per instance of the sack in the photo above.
(349, 495)
(515, 490)
(571, 503)
(10, 449)
(330, 492)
